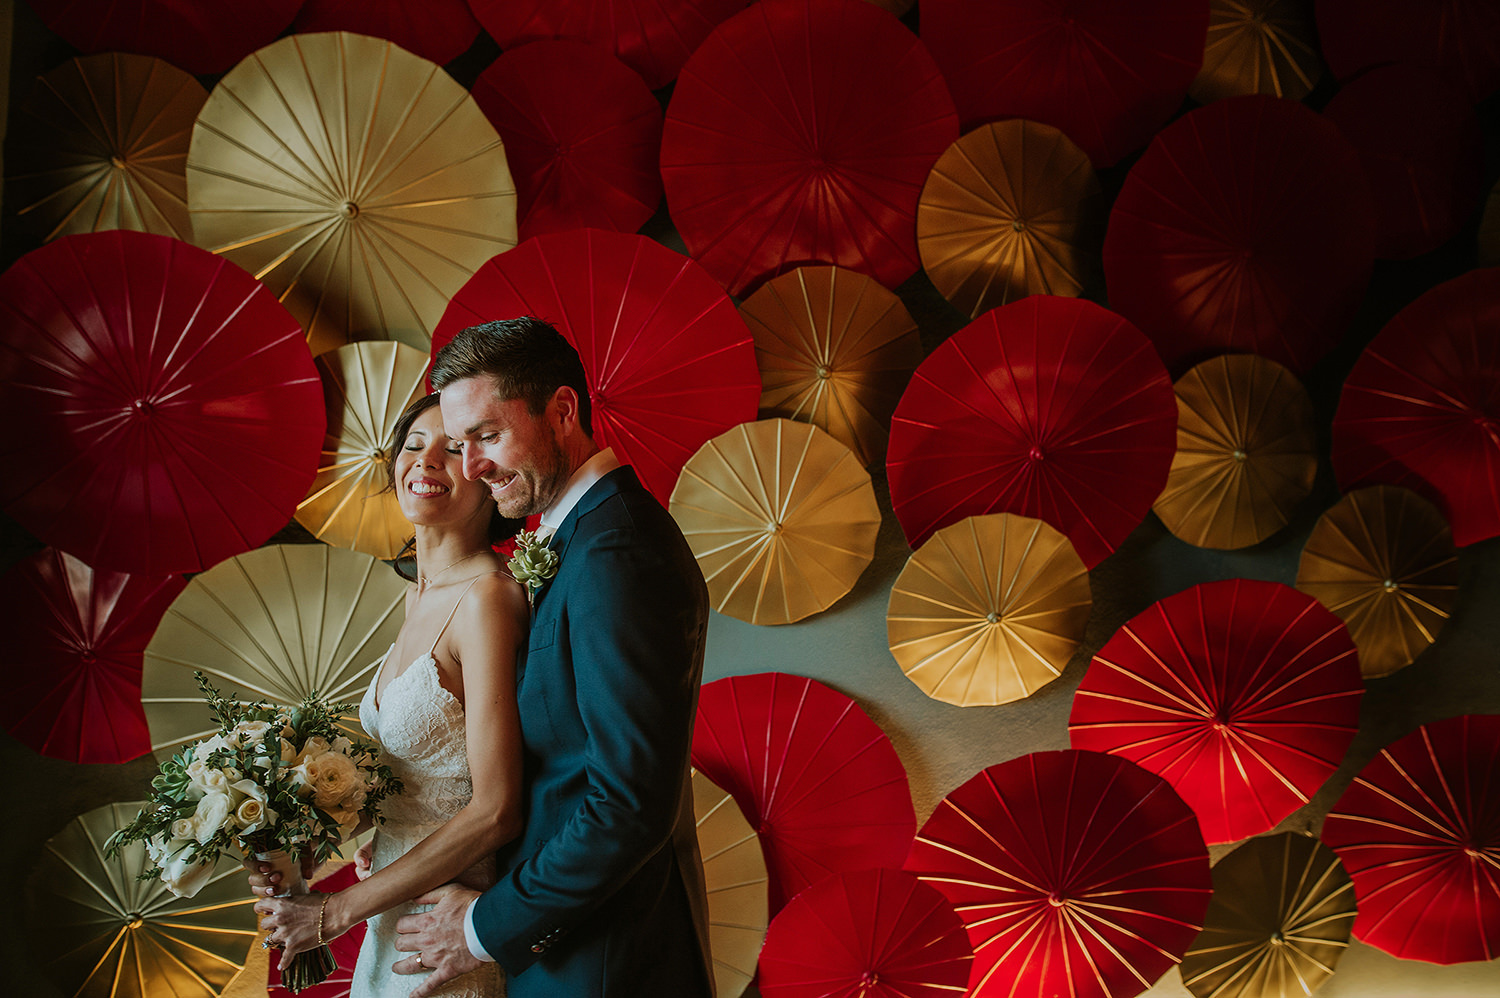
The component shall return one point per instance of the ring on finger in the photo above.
(420, 964)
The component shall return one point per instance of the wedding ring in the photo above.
(420, 964)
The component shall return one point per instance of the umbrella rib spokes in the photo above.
(308, 186)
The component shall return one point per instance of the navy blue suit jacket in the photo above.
(602, 894)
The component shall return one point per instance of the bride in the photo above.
(443, 707)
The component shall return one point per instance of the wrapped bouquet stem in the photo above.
(276, 783)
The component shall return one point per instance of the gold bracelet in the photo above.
(321, 909)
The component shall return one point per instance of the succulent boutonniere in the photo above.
(532, 564)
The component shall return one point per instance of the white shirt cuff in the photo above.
(476, 949)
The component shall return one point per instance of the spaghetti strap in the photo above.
(442, 630)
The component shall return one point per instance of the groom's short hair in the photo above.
(528, 358)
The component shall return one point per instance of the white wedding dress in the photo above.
(420, 727)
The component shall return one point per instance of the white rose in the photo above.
(248, 733)
(288, 753)
(335, 779)
(185, 877)
(206, 779)
(213, 810)
(342, 745)
(182, 828)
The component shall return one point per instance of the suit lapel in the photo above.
(606, 487)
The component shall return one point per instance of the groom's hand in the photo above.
(436, 939)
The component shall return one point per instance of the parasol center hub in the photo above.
(869, 978)
(349, 210)
(1473, 852)
(1056, 900)
(118, 162)
(1240, 455)
(379, 456)
(823, 372)
(1036, 455)
(1018, 225)
(1391, 586)
(134, 921)
(143, 407)
(88, 657)
(1278, 938)
(992, 617)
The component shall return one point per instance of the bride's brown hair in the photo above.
(501, 527)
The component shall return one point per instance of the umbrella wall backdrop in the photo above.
(876, 90)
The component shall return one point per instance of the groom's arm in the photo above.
(636, 631)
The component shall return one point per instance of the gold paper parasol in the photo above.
(735, 871)
(1246, 452)
(1279, 920)
(988, 610)
(101, 932)
(1258, 47)
(1010, 209)
(101, 142)
(273, 624)
(1382, 559)
(781, 518)
(835, 349)
(358, 181)
(365, 387)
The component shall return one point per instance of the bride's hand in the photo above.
(291, 923)
(363, 858)
(264, 883)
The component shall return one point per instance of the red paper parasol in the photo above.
(1422, 150)
(652, 37)
(439, 30)
(581, 135)
(202, 38)
(77, 670)
(1076, 873)
(819, 780)
(800, 132)
(1108, 74)
(345, 948)
(1246, 227)
(1052, 408)
(670, 363)
(173, 414)
(1244, 695)
(866, 934)
(1457, 37)
(1419, 831)
(1421, 407)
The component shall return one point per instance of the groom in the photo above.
(602, 894)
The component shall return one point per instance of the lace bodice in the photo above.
(420, 727)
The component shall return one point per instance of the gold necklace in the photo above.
(424, 581)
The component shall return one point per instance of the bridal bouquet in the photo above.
(275, 783)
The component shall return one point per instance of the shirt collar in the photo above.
(582, 479)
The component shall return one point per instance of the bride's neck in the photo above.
(440, 547)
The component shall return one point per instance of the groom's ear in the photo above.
(563, 410)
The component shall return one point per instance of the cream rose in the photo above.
(313, 748)
(254, 812)
(182, 828)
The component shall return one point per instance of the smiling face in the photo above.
(518, 455)
(430, 485)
